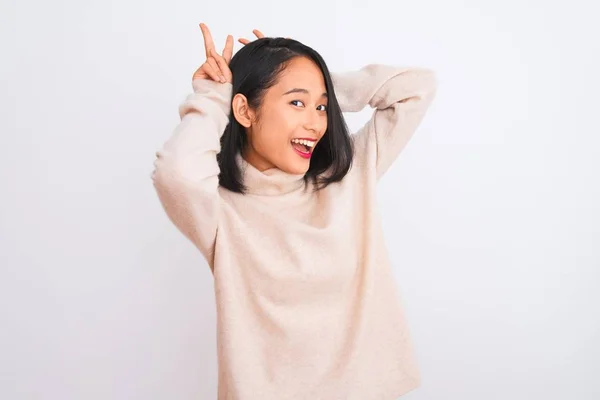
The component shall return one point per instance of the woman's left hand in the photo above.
(257, 33)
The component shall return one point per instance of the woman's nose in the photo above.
(314, 121)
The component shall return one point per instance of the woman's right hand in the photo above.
(216, 66)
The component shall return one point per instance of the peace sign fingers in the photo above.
(216, 66)
(257, 33)
(209, 44)
(228, 50)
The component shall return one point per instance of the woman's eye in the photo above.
(294, 102)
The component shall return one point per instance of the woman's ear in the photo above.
(241, 110)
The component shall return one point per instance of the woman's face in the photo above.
(291, 120)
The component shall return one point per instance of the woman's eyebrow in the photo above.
(300, 90)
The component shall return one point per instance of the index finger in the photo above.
(258, 33)
(208, 40)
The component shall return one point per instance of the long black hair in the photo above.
(256, 68)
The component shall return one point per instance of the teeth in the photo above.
(308, 143)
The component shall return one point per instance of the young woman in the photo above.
(262, 175)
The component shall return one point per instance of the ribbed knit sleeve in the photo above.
(186, 171)
(400, 97)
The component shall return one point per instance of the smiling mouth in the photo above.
(305, 146)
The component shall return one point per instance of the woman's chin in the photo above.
(297, 167)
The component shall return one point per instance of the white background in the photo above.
(491, 213)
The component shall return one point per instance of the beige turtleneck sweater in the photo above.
(307, 304)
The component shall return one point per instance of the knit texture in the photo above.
(307, 303)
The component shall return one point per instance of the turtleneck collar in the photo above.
(270, 182)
